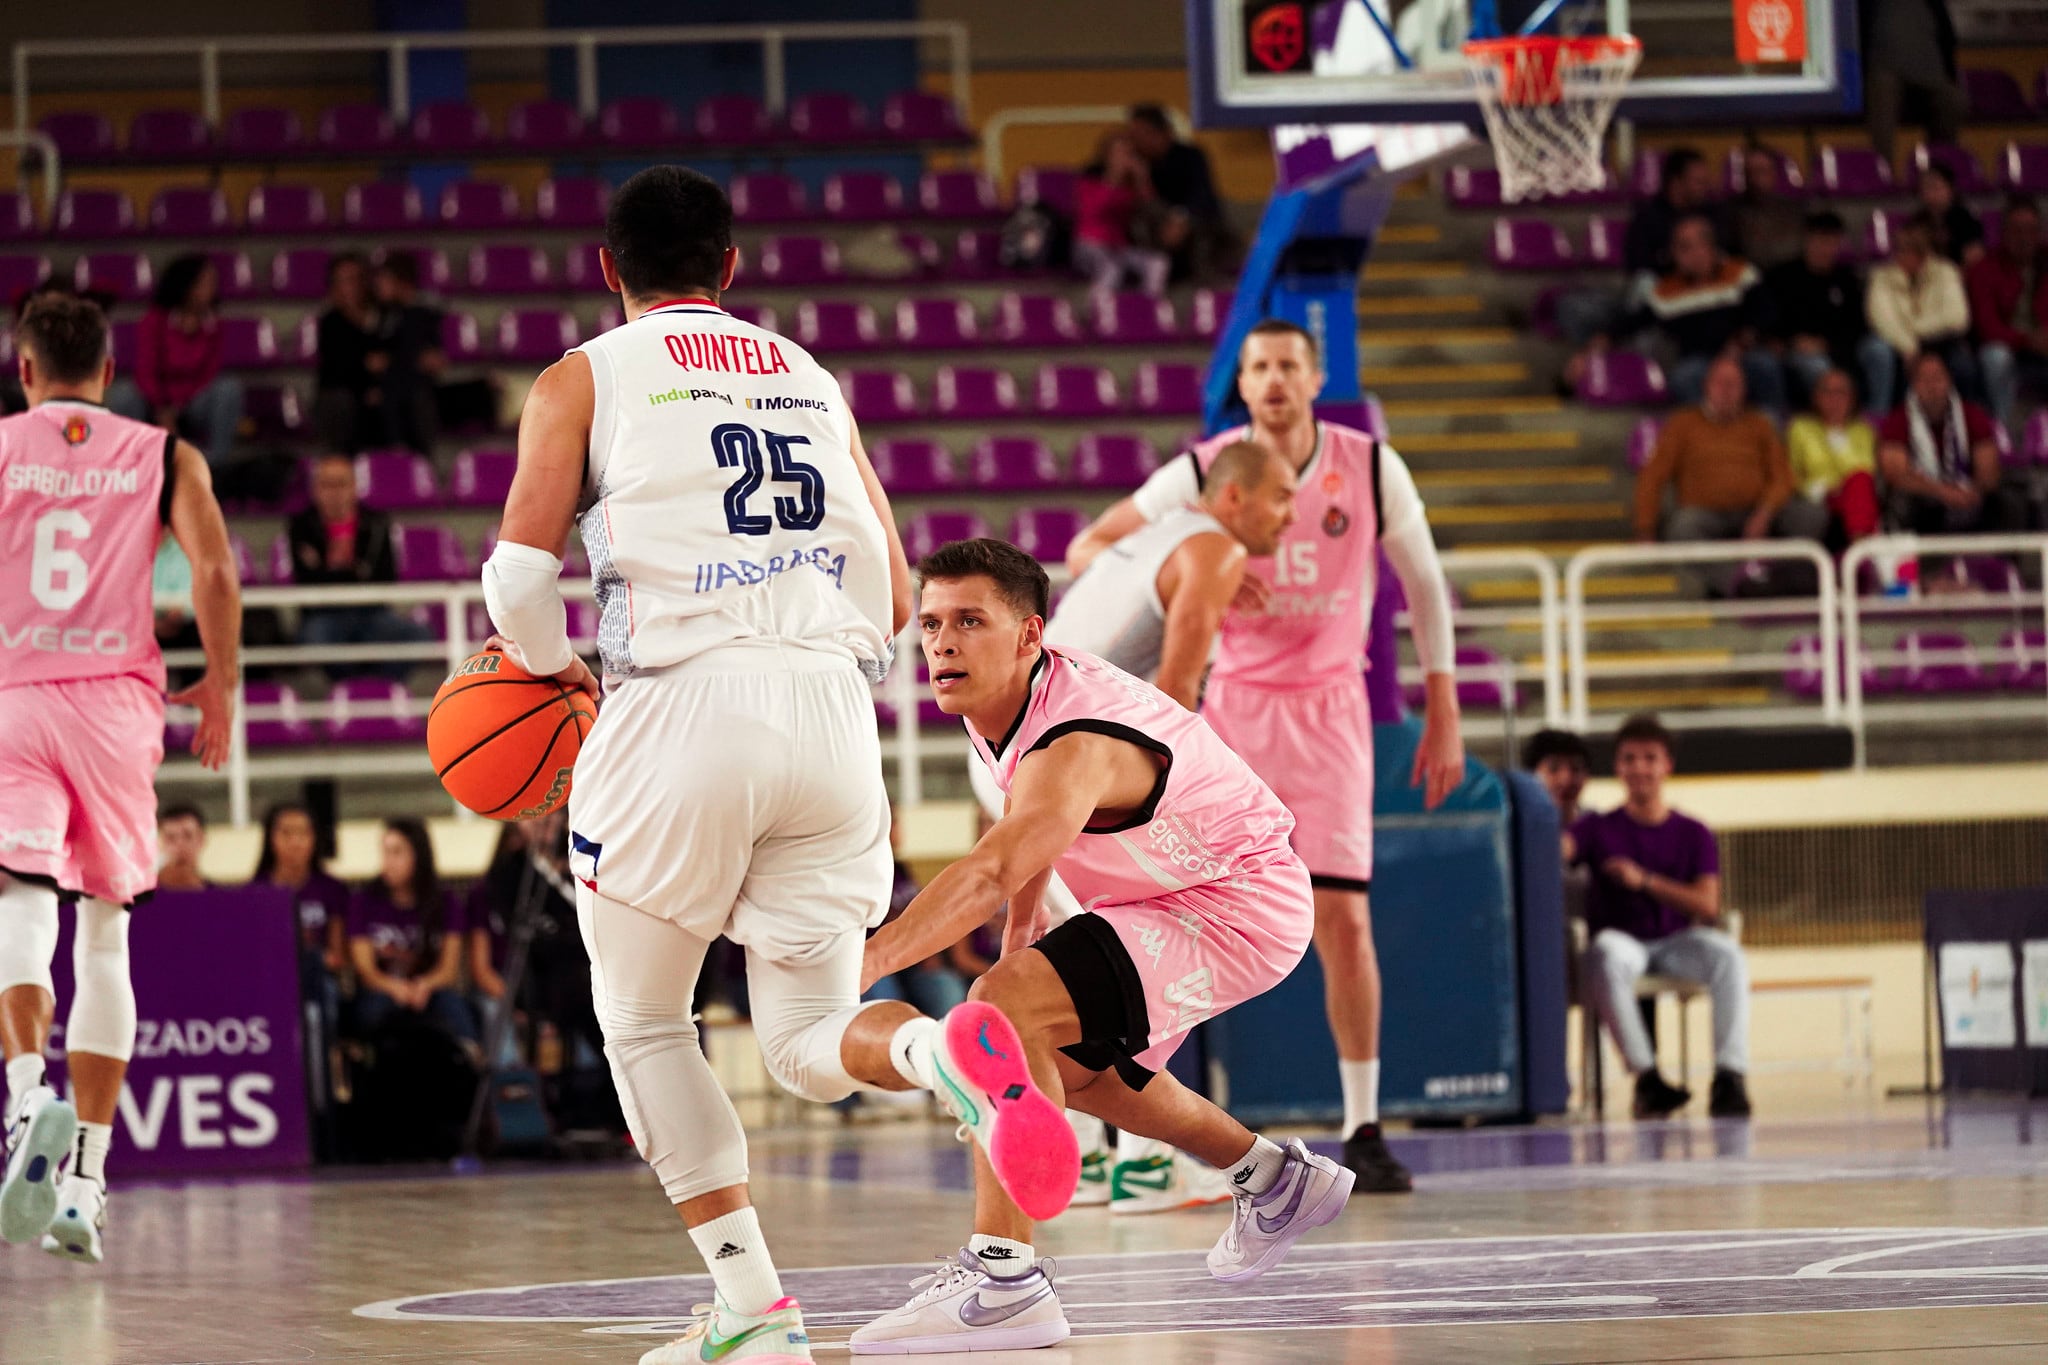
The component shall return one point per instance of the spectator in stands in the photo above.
(1686, 186)
(1560, 761)
(1769, 221)
(1193, 229)
(1916, 303)
(1727, 466)
(405, 939)
(1955, 233)
(2009, 310)
(1939, 456)
(409, 334)
(1833, 453)
(1909, 47)
(348, 398)
(1117, 218)
(180, 840)
(291, 859)
(338, 540)
(178, 381)
(1817, 316)
(1654, 905)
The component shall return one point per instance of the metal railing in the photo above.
(1549, 614)
(397, 47)
(999, 124)
(48, 162)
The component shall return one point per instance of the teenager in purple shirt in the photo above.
(405, 937)
(1654, 905)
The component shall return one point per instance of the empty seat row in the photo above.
(962, 393)
(1929, 662)
(1019, 319)
(547, 127)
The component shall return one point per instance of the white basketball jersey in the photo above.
(1113, 611)
(724, 503)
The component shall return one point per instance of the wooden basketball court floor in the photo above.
(1897, 1231)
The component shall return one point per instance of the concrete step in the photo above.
(1520, 476)
(1417, 343)
(1508, 592)
(1379, 271)
(1487, 373)
(1496, 405)
(1418, 305)
(1696, 698)
(1523, 514)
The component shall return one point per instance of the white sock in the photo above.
(1003, 1258)
(1361, 1093)
(1088, 1132)
(732, 1246)
(1256, 1170)
(911, 1050)
(24, 1074)
(89, 1154)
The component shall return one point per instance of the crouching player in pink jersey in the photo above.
(84, 499)
(1194, 902)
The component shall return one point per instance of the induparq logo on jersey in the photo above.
(690, 396)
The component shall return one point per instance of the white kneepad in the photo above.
(28, 934)
(806, 1060)
(102, 1019)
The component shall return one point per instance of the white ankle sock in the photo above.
(1361, 1082)
(24, 1074)
(1088, 1132)
(732, 1246)
(911, 1050)
(1257, 1169)
(1004, 1258)
(89, 1152)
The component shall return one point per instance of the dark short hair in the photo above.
(180, 811)
(1919, 362)
(1685, 220)
(1547, 744)
(668, 229)
(1677, 162)
(1824, 222)
(1020, 580)
(179, 278)
(1940, 171)
(67, 335)
(1281, 327)
(1643, 729)
(402, 266)
(2017, 202)
(1920, 226)
(1152, 116)
(345, 258)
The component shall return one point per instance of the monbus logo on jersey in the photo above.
(787, 404)
(691, 396)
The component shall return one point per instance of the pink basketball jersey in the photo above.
(83, 500)
(1210, 820)
(1323, 576)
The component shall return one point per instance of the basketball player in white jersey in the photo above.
(749, 582)
(85, 497)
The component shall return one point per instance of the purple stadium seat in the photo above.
(274, 411)
(18, 275)
(300, 273)
(1480, 681)
(2041, 91)
(372, 711)
(608, 317)
(863, 196)
(571, 202)
(1472, 187)
(580, 270)
(828, 116)
(1959, 671)
(124, 274)
(277, 718)
(767, 197)
(189, 211)
(536, 335)
(1076, 391)
(80, 135)
(1135, 320)
(1642, 442)
(248, 571)
(639, 121)
(1994, 96)
(247, 343)
(799, 260)
(1790, 177)
(482, 478)
(449, 128)
(723, 120)
(17, 216)
(1529, 244)
(1044, 533)
(381, 206)
(253, 134)
(914, 467)
(93, 213)
(461, 338)
(544, 126)
(392, 479)
(361, 130)
(1168, 390)
(977, 255)
(1052, 186)
(476, 205)
(919, 116)
(936, 324)
(1622, 379)
(1969, 176)
(927, 531)
(1604, 238)
(436, 275)
(1803, 670)
(965, 394)
(1035, 320)
(1114, 461)
(1208, 312)
(837, 325)
(1882, 232)
(506, 269)
(2034, 448)
(958, 194)
(124, 345)
(1013, 464)
(169, 135)
(765, 318)
(286, 209)
(879, 395)
(1853, 173)
(2026, 662)
(428, 554)
(2023, 166)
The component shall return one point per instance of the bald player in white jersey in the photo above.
(749, 584)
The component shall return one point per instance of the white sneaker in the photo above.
(1310, 1192)
(776, 1337)
(961, 1307)
(39, 1137)
(1093, 1191)
(985, 1082)
(81, 1221)
(1158, 1184)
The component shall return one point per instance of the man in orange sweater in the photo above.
(1727, 468)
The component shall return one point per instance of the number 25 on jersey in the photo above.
(739, 447)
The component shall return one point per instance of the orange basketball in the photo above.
(504, 742)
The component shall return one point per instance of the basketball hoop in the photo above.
(1547, 102)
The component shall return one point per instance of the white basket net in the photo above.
(1547, 103)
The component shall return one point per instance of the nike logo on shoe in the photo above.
(1273, 1225)
(975, 1312)
(717, 1348)
(729, 1250)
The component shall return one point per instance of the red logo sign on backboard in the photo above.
(1770, 31)
(1276, 36)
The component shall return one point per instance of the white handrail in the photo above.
(396, 46)
(998, 125)
(53, 173)
(1548, 613)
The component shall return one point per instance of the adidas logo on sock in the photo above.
(1241, 1176)
(729, 1250)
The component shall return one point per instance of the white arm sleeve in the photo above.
(1172, 486)
(1412, 552)
(523, 593)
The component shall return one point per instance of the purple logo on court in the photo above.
(1383, 1284)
